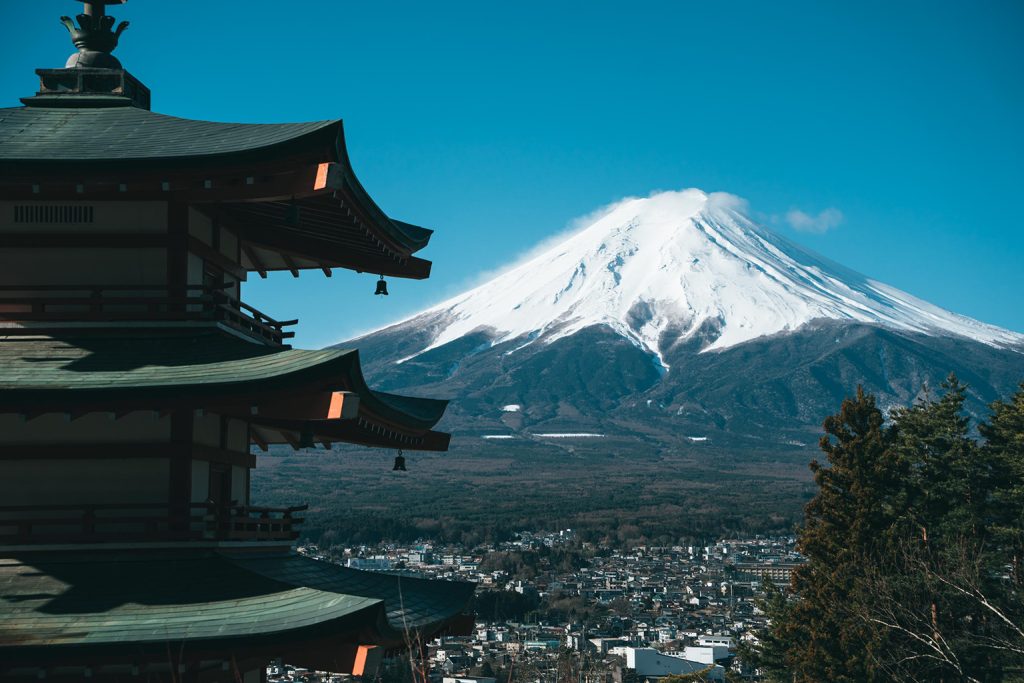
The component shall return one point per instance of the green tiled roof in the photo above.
(37, 141)
(38, 372)
(409, 602)
(110, 599)
(130, 133)
(106, 366)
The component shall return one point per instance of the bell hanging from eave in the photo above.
(399, 462)
(382, 287)
(306, 436)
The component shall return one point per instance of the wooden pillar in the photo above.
(177, 248)
(179, 493)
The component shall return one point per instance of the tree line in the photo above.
(914, 545)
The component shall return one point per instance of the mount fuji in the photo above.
(676, 321)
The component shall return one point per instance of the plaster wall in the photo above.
(84, 481)
(83, 266)
(58, 428)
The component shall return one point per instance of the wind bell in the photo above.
(382, 287)
(399, 462)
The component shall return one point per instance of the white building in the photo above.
(649, 663)
(373, 564)
(708, 654)
(709, 639)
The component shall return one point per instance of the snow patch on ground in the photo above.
(511, 408)
(497, 436)
(569, 435)
(697, 439)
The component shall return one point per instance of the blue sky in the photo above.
(889, 133)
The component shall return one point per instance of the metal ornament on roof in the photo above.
(94, 36)
(382, 287)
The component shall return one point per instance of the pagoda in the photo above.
(135, 386)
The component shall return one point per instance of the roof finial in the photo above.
(94, 36)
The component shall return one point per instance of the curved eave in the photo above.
(415, 604)
(283, 604)
(361, 432)
(329, 230)
(118, 153)
(411, 237)
(210, 371)
(49, 373)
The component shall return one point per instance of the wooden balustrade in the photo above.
(143, 522)
(132, 304)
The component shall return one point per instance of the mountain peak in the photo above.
(683, 266)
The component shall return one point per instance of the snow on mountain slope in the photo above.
(677, 261)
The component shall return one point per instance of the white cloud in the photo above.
(821, 223)
(727, 200)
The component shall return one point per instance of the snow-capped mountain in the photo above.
(675, 262)
(678, 308)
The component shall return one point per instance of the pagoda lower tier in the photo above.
(129, 545)
(205, 615)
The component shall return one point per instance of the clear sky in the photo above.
(885, 135)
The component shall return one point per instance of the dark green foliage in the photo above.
(480, 492)
(769, 654)
(913, 545)
(841, 522)
(694, 677)
(1004, 450)
(504, 605)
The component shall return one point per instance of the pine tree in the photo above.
(947, 481)
(942, 521)
(769, 653)
(1004, 449)
(907, 544)
(826, 640)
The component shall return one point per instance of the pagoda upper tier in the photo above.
(288, 190)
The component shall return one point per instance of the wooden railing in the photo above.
(108, 304)
(130, 522)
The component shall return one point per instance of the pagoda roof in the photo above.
(212, 370)
(287, 188)
(103, 601)
(52, 136)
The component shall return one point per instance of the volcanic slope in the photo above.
(675, 321)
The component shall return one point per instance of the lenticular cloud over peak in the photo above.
(679, 265)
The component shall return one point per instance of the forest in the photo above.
(478, 492)
(914, 544)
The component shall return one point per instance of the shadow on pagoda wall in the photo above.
(126, 352)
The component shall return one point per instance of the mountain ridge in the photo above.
(674, 324)
(676, 262)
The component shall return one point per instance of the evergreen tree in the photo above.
(1004, 449)
(914, 546)
(946, 482)
(824, 639)
(769, 653)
